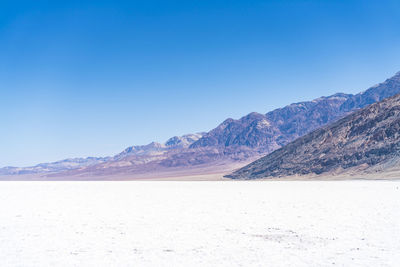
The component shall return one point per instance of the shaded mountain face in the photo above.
(364, 139)
(253, 130)
(268, 132)
(374, 94)
(298, 119)
(251, 136)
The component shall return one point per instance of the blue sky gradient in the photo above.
(89, 78)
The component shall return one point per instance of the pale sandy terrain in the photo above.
(257, 223)
(211, 173)
(200, 173)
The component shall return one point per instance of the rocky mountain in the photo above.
(251, 136)
(268, 132)
(183, 141)
(254, 131)
(368, 139)
(374, 94)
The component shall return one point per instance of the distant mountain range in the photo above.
(367, 140)
(268, 132)
(249, 137)
(58, 166)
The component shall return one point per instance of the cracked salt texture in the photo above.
(200, 223)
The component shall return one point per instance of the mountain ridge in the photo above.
(365, 139)
(253, 135)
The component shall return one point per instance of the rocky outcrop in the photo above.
(254, 131)
(374, 94)
(183, 141)
(362, 140)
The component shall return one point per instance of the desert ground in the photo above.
(200, 223)
(209, 173)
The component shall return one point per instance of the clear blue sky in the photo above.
(89, 78)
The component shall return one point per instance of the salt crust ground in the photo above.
(253, 223)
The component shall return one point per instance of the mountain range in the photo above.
(367, 140)
(233, 141)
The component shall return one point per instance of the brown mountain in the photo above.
(368, 139)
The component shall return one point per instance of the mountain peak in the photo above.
(184, 140)
(252, 135)
(363, 139)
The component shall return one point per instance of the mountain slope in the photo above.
(363, 139)
(251, 136)
(154, 148)
(134, 155)
(281, 126)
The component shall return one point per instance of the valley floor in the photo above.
(246, 223)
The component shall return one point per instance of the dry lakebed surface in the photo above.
(200, 223)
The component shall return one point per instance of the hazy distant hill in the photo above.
(251, 136)
(58, 166)
(364, 139)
